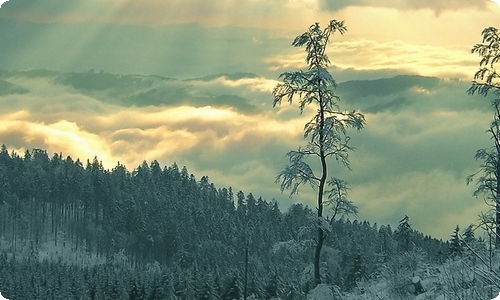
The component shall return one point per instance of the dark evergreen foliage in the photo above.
(272, 288)
(456, 243)
(232, 290)
(71, 230)
(404, 234)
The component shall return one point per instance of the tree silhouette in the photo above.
(404, 234)
(326, 130)
(487, 80)
(456, 242)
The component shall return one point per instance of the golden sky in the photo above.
(412, 157)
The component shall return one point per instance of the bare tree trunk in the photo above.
(497, 201)
(321, 188)
(246, 273)
(497, 229)
(321, 234)
(495, 131)
(317, 256)
(417, 285)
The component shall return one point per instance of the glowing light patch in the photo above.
(498, 3)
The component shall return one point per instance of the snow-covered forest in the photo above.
(74, 230)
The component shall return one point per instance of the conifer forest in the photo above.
(73, 230)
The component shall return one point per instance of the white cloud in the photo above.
(409, 157)
(370, 55)
(93, 125)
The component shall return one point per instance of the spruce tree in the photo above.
(133, 293)
(169, 287)
(232, 290)
(403, 234)
(205, 292)
(271, 290)
(356, 272)
(455, 243)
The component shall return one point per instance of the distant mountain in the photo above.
(386, 86)
(370, 96)
(231, 76)
(136, 90)
(105, 81)
(7, 88)
(405, 92)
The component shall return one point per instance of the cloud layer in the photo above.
(436, 5)
(415, 152)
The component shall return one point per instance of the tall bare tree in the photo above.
(325, 132)
(486, 81)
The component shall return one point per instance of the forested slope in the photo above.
(160, 226)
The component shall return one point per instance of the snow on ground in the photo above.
(322, 291)
(453, 280)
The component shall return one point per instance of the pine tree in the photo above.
(218, 288)
(155, 291)
(468, 235)
(93, 292)
(271, 290)
(385, 241)
(133, 294)
(403, 234)
(142, 292)
(455, 243)
(115, 290)
(232, 290)
(471, 245)
(205, 292)
(169, 286)
(356, 272)
(190, 291)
